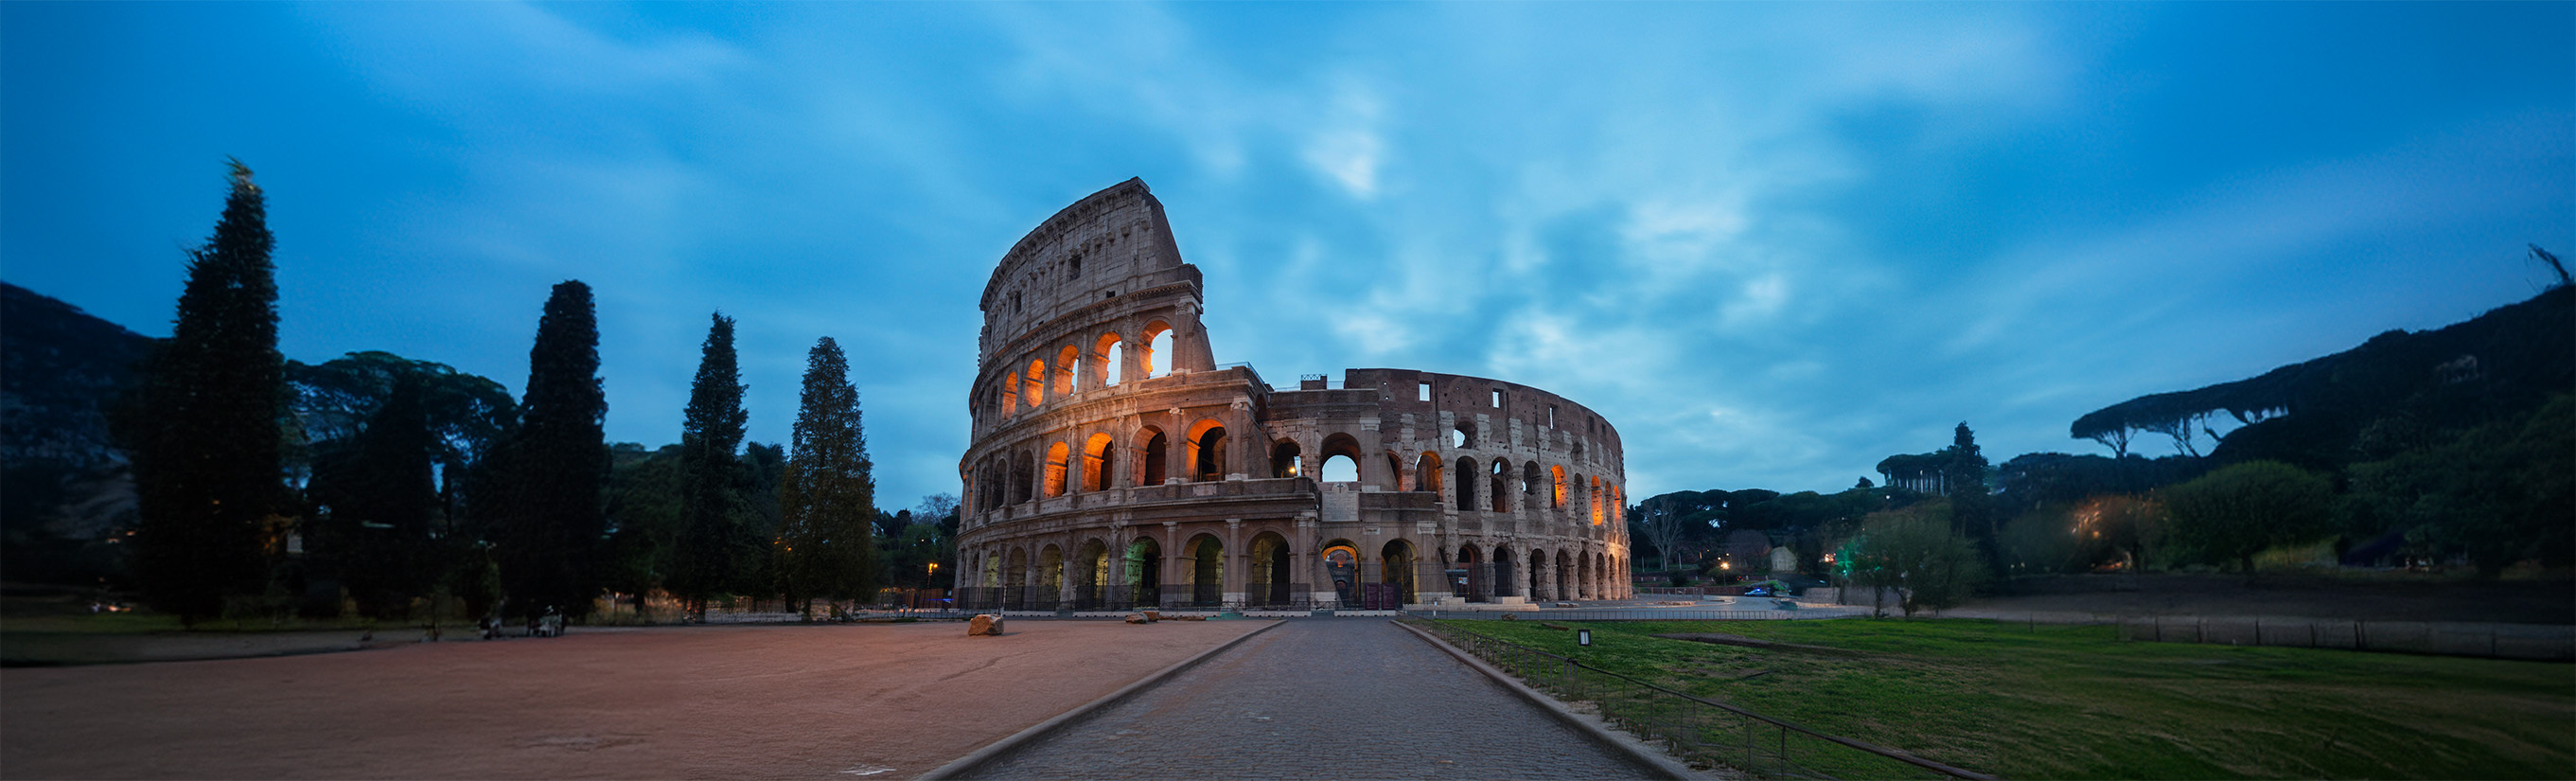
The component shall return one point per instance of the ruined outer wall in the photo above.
(1081, 475)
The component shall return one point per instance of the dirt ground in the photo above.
(861, 701)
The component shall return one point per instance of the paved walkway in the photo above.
(1321, 698)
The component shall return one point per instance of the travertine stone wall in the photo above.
(1102, 468)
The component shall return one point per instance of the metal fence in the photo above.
(2542, 642)
(1630, 614)
(1703, 731)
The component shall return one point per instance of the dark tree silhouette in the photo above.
(712, 546)
(205, 431)
(377, 497)
(828, 495)
(555, 468)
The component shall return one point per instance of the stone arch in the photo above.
(1204, 555)
(1154, 350)
(1340, 458)
(1477, 583)
(1539, 583)
(1594, 496)
(991, 486)
(1022, 465)
(1533, 484)
(1090, 574)
(1154, 452)
(1206, 451)
(1426, 473)
(1048, 581)
(1583, 577)
(1284, 459)
(1035, 390)
(1503, 571)
(1067, 363)
(1009, 399)
(1565, 576)
(1058, 459)
(1556, 496)
(1500, 486)
(1343, 569)
(1096, 462)
(1396, 567)
(1462, 434)
(1466, 484)
(1394, 471)
(1106, 362)
(1015, 577)
(1142, 560)
(1269, 576)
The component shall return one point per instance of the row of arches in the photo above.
(1072, 369)
(1110, 573)
(1061, 469)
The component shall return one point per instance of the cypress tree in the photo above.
(712, 547)
(556, 465)
(828, 496)
(207, 445)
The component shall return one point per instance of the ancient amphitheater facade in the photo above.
(1115, 464)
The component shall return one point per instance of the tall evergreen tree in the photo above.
(713, 547)
(555, 467)
(205, 437)
(827, 499)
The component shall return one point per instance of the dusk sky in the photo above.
(1772, 244)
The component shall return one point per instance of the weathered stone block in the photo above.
(985, 624)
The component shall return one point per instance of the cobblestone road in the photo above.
(1321, 698)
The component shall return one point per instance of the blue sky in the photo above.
(1771, 243)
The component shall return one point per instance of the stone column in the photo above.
(1171, 563)
(1176, 447)
(1117, 577)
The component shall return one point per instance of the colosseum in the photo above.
(1116, 464)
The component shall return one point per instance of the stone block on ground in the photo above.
(985, 624)
(1138, 618)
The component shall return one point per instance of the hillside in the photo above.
(63, 482)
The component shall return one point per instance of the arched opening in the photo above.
(1155, 447)
(1283, 459)
(1394, 472)
(1010, 395)
(1035, 389)
(1015, 581)
(1095, 463)
(1395, 576)
(1144, 568)
(1067, 362)
(1595, 496)
(1207, 452)
(1342, 568)
(1533, 483)
(1021, 467)
(1503, 569)
(1090, 575)
(1050, 579)
(1207, 571)
(1538, 584)
(1500, 486)
(993, 485)
(1157, 355)
(1106, 361)
(1466, 484)
(1556, 497)
(1057, 459)
(1426, 473)
(1469, 578)
(1340, 468)
(1463, 436)
(1583, 577)
(1269, 577)
(1564, 576)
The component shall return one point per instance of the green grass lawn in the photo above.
(2077, 702)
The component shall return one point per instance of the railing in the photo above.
(1626, 614)
(1704, 731)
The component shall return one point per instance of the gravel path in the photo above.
(1321, 698)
